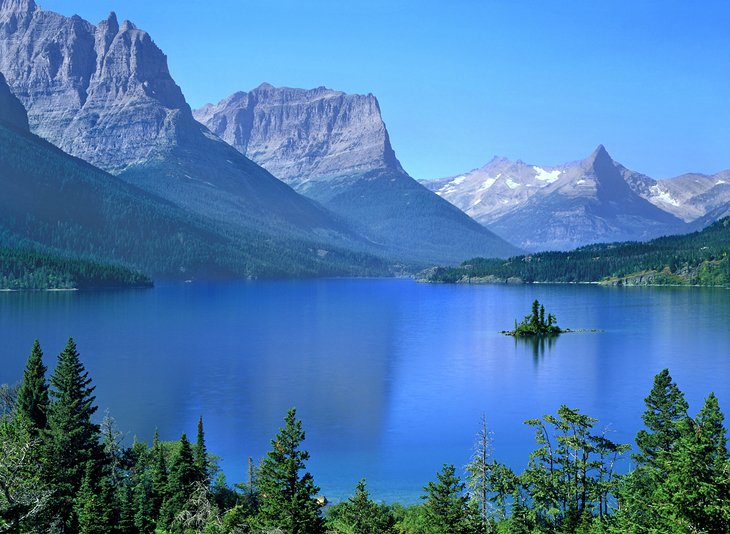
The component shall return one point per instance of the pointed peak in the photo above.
(265, 86)
(127, 26)
(599, 154)
(110, 25)
(18, 6)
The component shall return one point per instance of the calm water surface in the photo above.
(390, 377)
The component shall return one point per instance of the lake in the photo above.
(390, 377)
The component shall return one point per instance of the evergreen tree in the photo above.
(362, 515)
(288, 499)
(180, 484)
(32, 401)
(446, 507)
(126, 510)
(144, 517)
(201, 455)
(695, 494)
(71, 440)
(665, 407)
(94, 504)
(158, 476)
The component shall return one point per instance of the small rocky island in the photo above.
(535, 324)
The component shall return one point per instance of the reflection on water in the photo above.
(390, 377)
(536, 344)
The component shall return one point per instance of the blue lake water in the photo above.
(390, 377)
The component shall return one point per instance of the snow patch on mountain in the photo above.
(664, 197)
(547, 176)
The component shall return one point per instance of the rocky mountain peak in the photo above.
(17, 6)
(102, 93)
(301, 135)
(599, 157)
(12, 112)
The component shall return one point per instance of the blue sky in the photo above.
(462, 80)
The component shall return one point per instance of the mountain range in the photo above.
(588, 201)
(274, 181)
(104, 93)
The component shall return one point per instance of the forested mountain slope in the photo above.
(700, 258)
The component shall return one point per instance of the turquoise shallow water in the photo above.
(389, 376)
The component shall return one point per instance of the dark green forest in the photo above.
(700, 258)
(57, 204)
(61, 471)
(28, 269)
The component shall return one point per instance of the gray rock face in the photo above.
(12, 112)
(563, 207)
(300, 135)
(104, 93)
(334, 148)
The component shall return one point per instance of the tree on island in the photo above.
(535, 323)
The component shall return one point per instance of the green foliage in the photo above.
(23, 492)
(288, 498)
(180, 485)
(535, 323)
(360, 515)
(446, 508)
(71, 440)
(201, 455)
(28, 269)
(695, 493)
(94, 504)
(700, 258)
(665, 408)
(32, 402)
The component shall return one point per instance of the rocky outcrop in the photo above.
(300, 135)
(12, 112)
(334, 147)
(560, 207)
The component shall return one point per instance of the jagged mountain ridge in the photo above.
(578, 203)
(334, 147)
(104, 93)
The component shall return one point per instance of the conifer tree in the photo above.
(94, 504)
(144, 516)
(126, 511)
(665, 407)
(32, 401)
(360, 514)
(158, 476)
(446, 507)
(695, 494)
(201, 455)
(180, 484)
(71, 440)
(288, 498)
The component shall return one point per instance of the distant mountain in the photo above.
(700, 258)
(691, 197)
(104, 93)
(558, 208)
(54, 203)
(334, 147)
